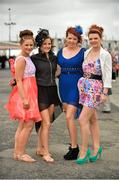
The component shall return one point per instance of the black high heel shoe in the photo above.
(72, 154)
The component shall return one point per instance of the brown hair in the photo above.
(25, 34)
(72, 30)
(96, 29)
(52, 43)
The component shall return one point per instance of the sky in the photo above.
(58, 15)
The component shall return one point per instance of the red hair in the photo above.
(94, 29)
(72, 30)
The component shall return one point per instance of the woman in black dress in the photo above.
(46, 65)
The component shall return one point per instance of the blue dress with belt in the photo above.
(71, 71)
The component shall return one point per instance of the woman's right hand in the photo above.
(58, 71)
(12, 82)
(26, 104)
(103, 98)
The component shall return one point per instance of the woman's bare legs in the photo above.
(70, 113)
(84, 120)
(21, 138)
(40, 148)
(73, 151)
(95, 132)
(44, 133)
(24, 136)
(18, 131)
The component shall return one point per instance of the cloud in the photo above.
(58, 15)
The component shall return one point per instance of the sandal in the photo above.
(25, 158)
(41, 153)
(48, 158)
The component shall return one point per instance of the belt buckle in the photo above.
(87, 75)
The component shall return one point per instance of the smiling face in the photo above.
(27, 46)
(71, 40)
(94, 40)
(46, 45)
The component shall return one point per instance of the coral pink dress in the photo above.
(15, 104)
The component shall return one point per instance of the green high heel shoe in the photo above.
(97, 156)
(85, 159)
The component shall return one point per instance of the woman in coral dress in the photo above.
(22, 104)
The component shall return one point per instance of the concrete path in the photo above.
(106, 168)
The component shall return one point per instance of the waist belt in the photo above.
(71, 72)
(92, 76)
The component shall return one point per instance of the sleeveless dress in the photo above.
(71, 71)
(15, 104)
(90, 90)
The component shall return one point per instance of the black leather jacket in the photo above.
(45, 68)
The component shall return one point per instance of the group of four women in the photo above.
(84, 80)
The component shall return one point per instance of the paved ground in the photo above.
(106, 168)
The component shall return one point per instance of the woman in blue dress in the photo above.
(70, 59)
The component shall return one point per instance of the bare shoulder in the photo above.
(20, 59)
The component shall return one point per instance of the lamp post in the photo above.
(9, 24)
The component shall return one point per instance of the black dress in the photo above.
(45, 78)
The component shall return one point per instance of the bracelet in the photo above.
(105, 94)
